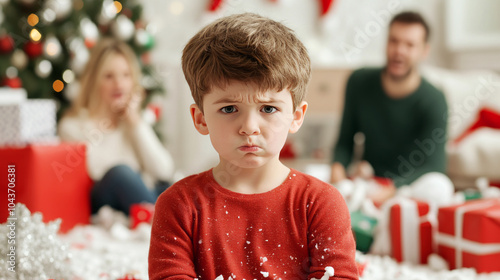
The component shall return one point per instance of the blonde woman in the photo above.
(124, 157)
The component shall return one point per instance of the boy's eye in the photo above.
(228, 109)
(269, 109)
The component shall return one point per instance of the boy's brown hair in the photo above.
(246, 48)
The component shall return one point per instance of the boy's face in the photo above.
(247, 128)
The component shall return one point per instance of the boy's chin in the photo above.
(250, 162)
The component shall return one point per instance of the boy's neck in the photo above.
(250, 180)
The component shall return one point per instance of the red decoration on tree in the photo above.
(6, 44)
(146, 58)
(156, 110)
(12, 82)
(129, 277)
(33, 49)
(214, 5)
(325, 6)
(89, 43)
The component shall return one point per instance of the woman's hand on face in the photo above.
(131, 113)
(128, 110)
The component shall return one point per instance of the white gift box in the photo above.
(12, 95)
(33, 120)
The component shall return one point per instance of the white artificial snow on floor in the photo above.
(97, 253)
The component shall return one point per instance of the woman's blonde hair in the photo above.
(88, 97)
(246, 48)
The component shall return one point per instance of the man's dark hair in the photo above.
(411, 18)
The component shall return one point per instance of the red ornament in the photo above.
(6, 44)
(146, 58)
(33, 49)
(361, 267)
(214, 5)
(89, 43)
(128, 277)
(325, 6)
(287, 152)
(12, 82)
(141, 213)
(156, 110)
(127, 12)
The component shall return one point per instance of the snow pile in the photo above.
(384, 268)
(98, 253)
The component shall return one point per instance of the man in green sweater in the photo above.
(402, 116)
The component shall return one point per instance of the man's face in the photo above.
(406, 47)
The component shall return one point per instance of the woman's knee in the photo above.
(119, 169)
(120, 172)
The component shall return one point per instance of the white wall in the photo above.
(353, 34)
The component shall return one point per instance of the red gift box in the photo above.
(141, 213)
(51, 179)
(411, 230)
(469, 235)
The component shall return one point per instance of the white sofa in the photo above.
(478, 155)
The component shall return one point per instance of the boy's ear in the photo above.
(198, 119)
(298, 117)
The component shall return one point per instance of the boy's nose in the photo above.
(249, 125)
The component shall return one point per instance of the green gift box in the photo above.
(471, 194)
(363, 228)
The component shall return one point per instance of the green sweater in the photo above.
(404, 138)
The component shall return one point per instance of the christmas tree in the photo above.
(45, 44)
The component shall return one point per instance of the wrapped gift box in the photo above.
(363, 228)
(469, 235)
(12, 95)
(29, 121)
(51, 179)
(141, 213)
(471, 194)
(411, 230)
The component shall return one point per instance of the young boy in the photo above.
(250, 217)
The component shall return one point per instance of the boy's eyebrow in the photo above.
(239, 100)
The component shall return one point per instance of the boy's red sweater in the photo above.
(202, 230)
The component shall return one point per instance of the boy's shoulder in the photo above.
(202, 184)
(189, 183)
(310, 183)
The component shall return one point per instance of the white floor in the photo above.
(97, 253)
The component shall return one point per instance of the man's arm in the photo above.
(331, 243)
(343, 150)
(431, 141)
(171, 252)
